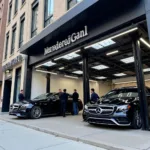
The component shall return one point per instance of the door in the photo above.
(6, 96)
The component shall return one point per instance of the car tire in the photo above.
(36, 112)
(136, 121)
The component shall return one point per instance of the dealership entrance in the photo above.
(96, 51)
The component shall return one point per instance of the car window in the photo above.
(122, 93)
(43, 96)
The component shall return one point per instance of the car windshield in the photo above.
(43, 96)
(122, 93)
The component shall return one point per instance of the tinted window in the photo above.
(122, 93)
(43, 96)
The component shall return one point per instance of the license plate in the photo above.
(18, 115)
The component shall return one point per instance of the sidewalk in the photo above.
(72, 127)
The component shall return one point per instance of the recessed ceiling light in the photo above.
(100, 67)
(101, 78)
(71, 77)
(113, 52)
(68, 56)
(49, 64)
(128, 60)
(78, 72)
(81, 62)
(101, 44)
(61, 68)
(145, 42)
(146, 70)
(120, 74)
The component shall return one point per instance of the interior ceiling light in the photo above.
(145, 42)
(81, 62)
(61, 68)
(49, 64)
(68, 56)
(102, 44)
(124, 33)
(128, 60)
(113, 52)
(120, 74)
(146, 70)
(46, 72)
(101, 78)
(100, 67)
(78, 72)
(71, 77)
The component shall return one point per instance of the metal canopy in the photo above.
(122, 44)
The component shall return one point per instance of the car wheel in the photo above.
(137, 121)
(36, 112)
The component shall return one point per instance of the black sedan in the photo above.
(119, 107)
(45, 104)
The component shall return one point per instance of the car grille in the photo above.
(14, 107)
(102, 110)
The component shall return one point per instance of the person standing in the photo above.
(94, 96)
(64, 99)
(75, 97)
(21, 96)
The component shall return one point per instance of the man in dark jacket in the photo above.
(64, 99)
(75, 97)
(21, 96)
(94, 96)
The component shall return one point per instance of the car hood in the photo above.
(114, 101)
(22, 103)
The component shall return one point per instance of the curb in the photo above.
(100, 145)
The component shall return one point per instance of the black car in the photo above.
(45, 104)
(119, 107)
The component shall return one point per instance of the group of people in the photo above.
(63, 96)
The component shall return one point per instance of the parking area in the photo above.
(74, 128)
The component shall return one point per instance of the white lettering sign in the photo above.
(71, 39)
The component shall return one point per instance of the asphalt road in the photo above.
(14, 137)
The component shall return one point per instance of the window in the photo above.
(22, 19)
(23, 1)
(6, 47)
(49, 9)
(34, 19)
(16, 6)
(71, 3)
(13, 39)
(17, 84)
(10, 9)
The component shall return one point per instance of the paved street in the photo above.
(14, 137)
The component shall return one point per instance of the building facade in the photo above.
(3, 17)
(25, 20)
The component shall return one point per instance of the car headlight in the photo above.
(123, 108)
(85, 107)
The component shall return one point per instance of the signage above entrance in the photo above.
(12, 63)
(71, 39)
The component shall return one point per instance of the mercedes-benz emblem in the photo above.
(98, 110)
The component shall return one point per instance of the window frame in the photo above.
(13, 40)
(10, 12)
(68, 1)
(47, 18)
(35, 5)
(6, 46)
(21, 33)
(16, 7)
